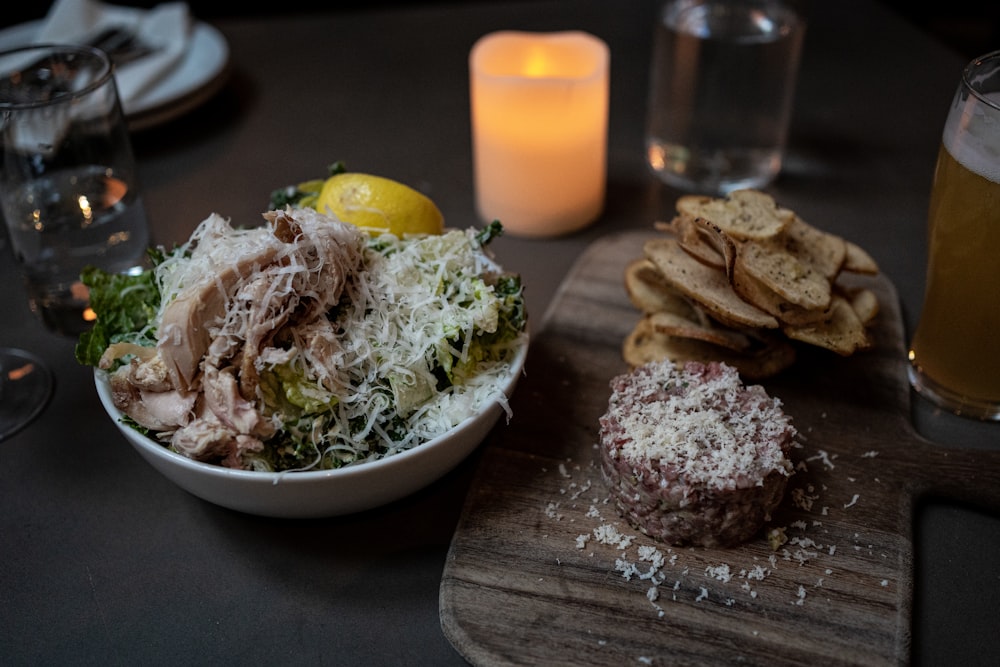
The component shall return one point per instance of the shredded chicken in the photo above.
(230, 303)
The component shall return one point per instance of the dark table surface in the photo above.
(102, 561)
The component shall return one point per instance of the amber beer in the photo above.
(955, 355)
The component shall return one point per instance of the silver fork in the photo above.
(121, 45)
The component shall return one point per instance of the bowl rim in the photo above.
(151, 446)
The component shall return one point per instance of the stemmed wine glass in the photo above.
(25, 389)
(25, 381)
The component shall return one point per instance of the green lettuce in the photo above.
(125, 306)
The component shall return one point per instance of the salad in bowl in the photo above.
(306, 349)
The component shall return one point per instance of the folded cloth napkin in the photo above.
(166, 29)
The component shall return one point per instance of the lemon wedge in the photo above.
(377, 205)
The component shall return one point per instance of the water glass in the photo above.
(720, 96)
(955, 352)
(68, 187)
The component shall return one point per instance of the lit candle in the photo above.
(539, 130)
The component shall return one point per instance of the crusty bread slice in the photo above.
(744, 214)
(769, 355)
(764, 297)
(843, 333)
(821, 250)
(859, 261)
(784, 274)
(649, 291)
(708, 286)
(682, 327)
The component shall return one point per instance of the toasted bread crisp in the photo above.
(675, 325)
(737, 279)
(859, 261)
(864, 302)
(649, 291)
(780, 271)
(744, 214)
(704, 241)
(765, 358)
(823, 252)
(706, 285)
(843, 333)
(756, 292)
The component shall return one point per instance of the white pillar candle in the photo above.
(539, 130)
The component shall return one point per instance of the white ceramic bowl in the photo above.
(321, 493)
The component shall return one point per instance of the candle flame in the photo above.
(536, 65)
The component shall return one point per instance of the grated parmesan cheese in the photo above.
(708, 428)
(413, 345)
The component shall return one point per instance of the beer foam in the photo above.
(971, 135)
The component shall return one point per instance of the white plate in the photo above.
(199, 75)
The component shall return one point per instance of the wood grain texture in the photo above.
(521, 586)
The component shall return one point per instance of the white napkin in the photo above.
(166, 28)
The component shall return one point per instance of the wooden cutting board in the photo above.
(542, 571)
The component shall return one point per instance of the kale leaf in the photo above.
(124, 305)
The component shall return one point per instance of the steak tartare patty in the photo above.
(692, 456)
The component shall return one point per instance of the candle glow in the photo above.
(539, 118)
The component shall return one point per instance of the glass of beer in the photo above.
(955, 353)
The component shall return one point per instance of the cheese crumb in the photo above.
(720, 572)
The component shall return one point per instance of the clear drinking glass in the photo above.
(721, 88)
(955, 353)
(68, 186)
